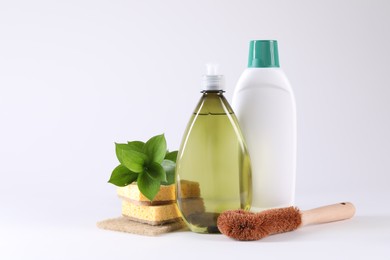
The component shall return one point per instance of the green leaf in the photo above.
(150, 163)
(134, 161)
(130, 146)
(136, 146)
(119, 148)
(169, 168)
(121, 176)
(156, 171)
(156, 148)
(171, 156)
(148, 186)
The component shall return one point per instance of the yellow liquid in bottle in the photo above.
(213, 155)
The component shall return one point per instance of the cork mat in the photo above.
(127, 225)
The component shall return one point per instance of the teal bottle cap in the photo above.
(263, 54)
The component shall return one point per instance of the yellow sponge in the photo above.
(153, 215)
(167, 193)
(189, 189)
(131, 192)
(161, 214)
(163, 209)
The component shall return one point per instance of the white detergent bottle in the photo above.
(264, 104)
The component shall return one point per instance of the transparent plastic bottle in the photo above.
(213, 158)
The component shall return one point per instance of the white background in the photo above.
(77, 76)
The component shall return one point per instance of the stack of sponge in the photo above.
(151, 218)
(163, 209)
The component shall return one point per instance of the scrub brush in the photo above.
(245, 225)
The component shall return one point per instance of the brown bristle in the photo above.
(245, 225)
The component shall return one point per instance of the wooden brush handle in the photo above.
(328, 213)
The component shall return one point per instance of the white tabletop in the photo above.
(365, 236)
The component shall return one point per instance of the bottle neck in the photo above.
(211, 92)
(213, 102)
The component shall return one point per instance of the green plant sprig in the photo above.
(150, 164)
